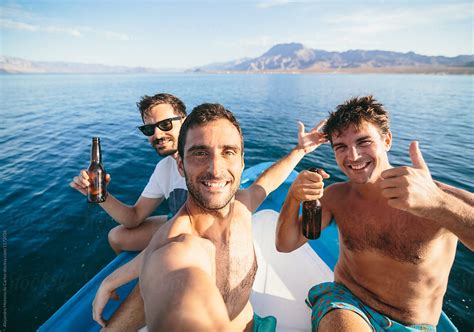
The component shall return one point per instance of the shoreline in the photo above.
(357, 71)
(316, 71)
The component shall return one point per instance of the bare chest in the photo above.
(392, 232)
(236, 267)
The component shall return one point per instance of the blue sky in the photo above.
(183, 34)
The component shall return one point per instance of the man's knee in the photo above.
(343, 320)
(157, 220)
(117, 237)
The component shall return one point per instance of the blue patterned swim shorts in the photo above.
(327, 296)
(264, 324)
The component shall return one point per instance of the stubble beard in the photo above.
(163, 152)
(166, 152)
(204, 203)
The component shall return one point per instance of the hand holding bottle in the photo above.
(312, 215)
(81, 182)
(93, 181)
(308, 186)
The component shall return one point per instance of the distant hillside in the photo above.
(11, 65)
(292, 57)
(295, 57)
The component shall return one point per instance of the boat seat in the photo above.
(283, 279)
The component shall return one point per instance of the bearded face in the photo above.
(213, 163)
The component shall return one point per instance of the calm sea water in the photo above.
(55, 242)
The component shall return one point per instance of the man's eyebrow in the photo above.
(363, 138)
(197, 147)
(207, 147)
(360, 139)
(334, 145)
(231, 147)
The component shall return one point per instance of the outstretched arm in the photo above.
(413, 190)
(127, 215)
(179, 288)
(276, 174)
(131, 215)
(307, 186)
(463, 195)
(456, 215)
(119, 277)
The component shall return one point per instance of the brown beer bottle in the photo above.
(97, 189)
(312, 213)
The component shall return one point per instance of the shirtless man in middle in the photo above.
(209, 242)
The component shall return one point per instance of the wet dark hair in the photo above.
(203, 114)
(146, 103)
(354, 112)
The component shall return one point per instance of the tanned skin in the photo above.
(398, 229)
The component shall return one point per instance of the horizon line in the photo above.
(221, 61)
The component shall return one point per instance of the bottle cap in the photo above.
(315, 170)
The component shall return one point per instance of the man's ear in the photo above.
(180, 165)
(388, 140)
(243, 161)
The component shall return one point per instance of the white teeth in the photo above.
(359, 166)
(161, 141)
(215, 184)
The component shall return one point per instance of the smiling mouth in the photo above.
(162, 141)
(358, 166)
(215, 184)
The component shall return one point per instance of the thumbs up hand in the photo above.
(411, 189)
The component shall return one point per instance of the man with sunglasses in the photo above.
(162, 115)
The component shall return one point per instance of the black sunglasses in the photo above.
(164, 125)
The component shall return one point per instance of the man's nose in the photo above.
(215, 164)
(353, 153)
(158, 132)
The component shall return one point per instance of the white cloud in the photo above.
(9, 24)
(380, 20)
(68, 31)
(15, 25)
(71, 31)
(272, 3)
(116, 36)
(15, 18)
(14, 12)
(275, 3)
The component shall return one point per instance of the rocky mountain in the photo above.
(292, 57)
(295, 57)
(11, 65)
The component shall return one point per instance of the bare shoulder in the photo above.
(331, 200)
(333, 195)
(336, 191)
(178, 225)
(178, 246)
